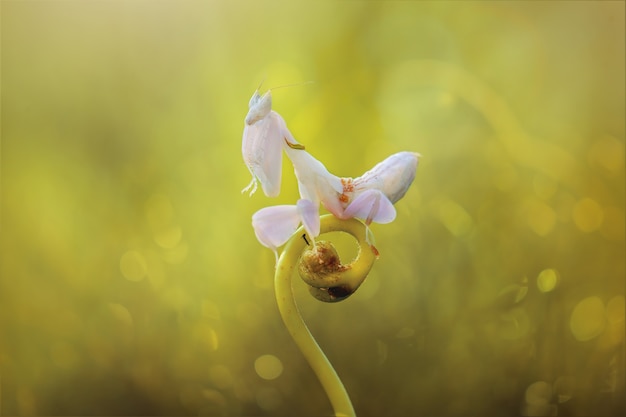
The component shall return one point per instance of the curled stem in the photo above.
(345, 277)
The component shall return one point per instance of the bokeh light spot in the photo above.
(168, 237)
(547, 280)
(538, 393)
(446, 99)
(176, 255)
(175, 297)
(159, 211)
(538, 398)
(121, 313)
(206, 337)
(587, 215)
(268, 367)
(588, 319)
(133, 266)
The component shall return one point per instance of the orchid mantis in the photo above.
(369, 197)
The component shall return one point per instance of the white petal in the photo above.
(371, 206)
(310, 215)
(273, 226)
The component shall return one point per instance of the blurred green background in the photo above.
(131, 280)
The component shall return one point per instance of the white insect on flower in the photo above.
(369, 197)
(265, 135)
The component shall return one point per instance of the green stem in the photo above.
(292, 318)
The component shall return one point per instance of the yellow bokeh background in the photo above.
(131, 282)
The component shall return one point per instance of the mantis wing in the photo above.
(261, 147)
(264, 135)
